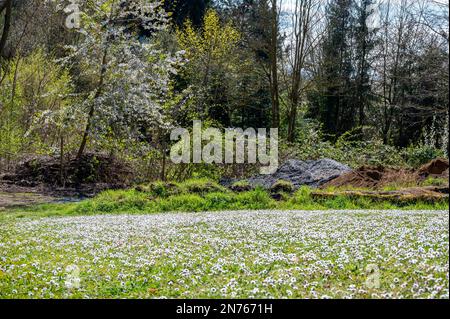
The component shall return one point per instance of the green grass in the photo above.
(204, 195)
(302, 199)
(435, 181)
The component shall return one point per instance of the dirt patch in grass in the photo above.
(12, 196)
(9, 200)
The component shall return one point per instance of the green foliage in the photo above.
(357, 148)
(215, 41)
(209, 171)
(201, 186)
(114, 201)
(354, 154)
(214, 61)
(162, 189)
(33, 87)
(135, 78)
(205, 199)
(303, 199)
(368, 152)
(256, 199)
(416, 156)
(434, 181)
(282, 186)
(225, 77)
(241, 186)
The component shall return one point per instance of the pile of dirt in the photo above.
(377, 176)
(90, 169)
(438, 168)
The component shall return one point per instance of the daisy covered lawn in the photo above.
(245, 254)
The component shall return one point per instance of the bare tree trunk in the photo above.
(7, 24)
(273, 53)
(12, 101)
(293, 117)
(302, 27)
(362, 119)
(87, 130)
(163, 167)
(61, 161)
(92, 107)
(164, 157)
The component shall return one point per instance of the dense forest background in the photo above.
(360, 81)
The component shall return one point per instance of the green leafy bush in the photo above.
(35, 97)
(416, 156)
(256, 199)
(357, 148)
(201, 186)
(115, 201)
(282, 186)
(163, 189)
(241, 186)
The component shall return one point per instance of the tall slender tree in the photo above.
(302, 41)
(336, 110)
(5, 6)
(183, 10)
(273, 58)
(364, 44)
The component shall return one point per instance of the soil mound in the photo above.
(437, 168)
(90, 169)
(378, 177)
(373, 177)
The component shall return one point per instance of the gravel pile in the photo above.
(311, 173)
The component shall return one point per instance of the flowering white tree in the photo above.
(128, 78)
